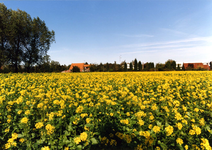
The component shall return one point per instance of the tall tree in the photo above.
(211, 65)
(5, 15)
(173, 65)
(178, 66)
(38, 44)
(168, 65)
(19, 32)
(131, 66)
(135, 65)
(139, 66)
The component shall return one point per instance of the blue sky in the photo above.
(97, 31)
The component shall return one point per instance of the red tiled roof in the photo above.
(195, 66)
(81, 66)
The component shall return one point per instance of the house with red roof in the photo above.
(82, 66)
(196, 66)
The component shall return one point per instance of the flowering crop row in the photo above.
(148, 110)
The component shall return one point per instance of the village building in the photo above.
(82, 66)
(196, 66)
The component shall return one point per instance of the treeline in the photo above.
(135, 66)
(24, 41)
(47, 65)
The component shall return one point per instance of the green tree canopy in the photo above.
(75, 69)
(22, 39)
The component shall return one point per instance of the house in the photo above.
(196, 66)
(82, 66)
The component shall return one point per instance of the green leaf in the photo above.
(79, 147)
(94, 141)
(207, 127)
(33, 135)
(20, 135)
(158, 123)
(89, 125)
(180, 146)
(163, 146)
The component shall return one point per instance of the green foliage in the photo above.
(131, 67)
(125, 66)
(170, 65)
(75, 69)
(160, 67)
(139, 66)
(22, 39)
(135, 65)
(149, 66)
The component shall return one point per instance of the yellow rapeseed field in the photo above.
(131, 110)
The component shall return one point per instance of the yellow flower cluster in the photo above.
(39, 125)
(50, 129)
(11, 142)
(83, 137)
(24, 120)
(124, 121)
(169, 130)
(156, 129)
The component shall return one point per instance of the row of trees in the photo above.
(133, 66)
(136, 66)
(24, 41)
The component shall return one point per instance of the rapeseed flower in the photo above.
(156, 129)
(24, 120)
(83, 136)
(179, 141)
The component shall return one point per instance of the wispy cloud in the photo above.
(199, 48)
(197, 39)
(174, 31)
(136, 35)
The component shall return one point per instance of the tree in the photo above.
(107, 66)
(131, 66)
(44, 65)
(135, 65)
(170, 65)
(100, 67)
(55, 66)
(18, 34)
(5, 15)
(114, 66)
(125, 66)
(173, 65)
(22, 39)
(139, 66)
(178, 66)
(160, 67)
(38, 43)
(75, 69)
(183, 68)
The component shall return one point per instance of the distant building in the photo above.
(83, 67)
(196, 66)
